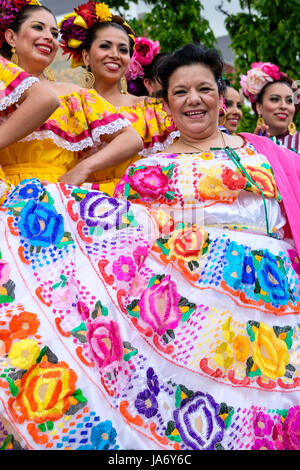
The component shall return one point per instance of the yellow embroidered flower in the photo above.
(227, 330)
(103, 12)
(211, 186)
(46, 391)
(241, 347)
(269, 352)
(224, 355)
(23, 354)
(264, 179)
(187, 243)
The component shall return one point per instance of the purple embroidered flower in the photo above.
(262, 444)
(97, 209)
(198, 422)
(124, 268)
(152, 381)
(146, 403)
(291, 428)
(278, 437)
(263, 424)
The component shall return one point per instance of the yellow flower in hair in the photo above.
(79, 21)
(103, 12)
(34, 2)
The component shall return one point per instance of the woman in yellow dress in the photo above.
(19, 88)
(83, 119)
(105, 45)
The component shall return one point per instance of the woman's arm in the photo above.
(121, 147)
(35, 106)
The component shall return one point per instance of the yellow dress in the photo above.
(78, 123)
(150, 120)
(13, 82)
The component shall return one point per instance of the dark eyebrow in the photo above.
(109, 42)
(279, 96)
(43, 24)
(199, 84)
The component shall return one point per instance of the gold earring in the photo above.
(49, 74)
(224, 114)
(260, 120)
(123, 86)
(292, 128)
(14, 58)
(87, 80)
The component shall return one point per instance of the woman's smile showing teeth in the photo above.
(112, 66)
(195, 114)
(45, 48)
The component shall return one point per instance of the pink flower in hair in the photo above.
(145, 50)
(272, 70)
(134, 70)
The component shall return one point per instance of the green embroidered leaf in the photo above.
(129, 351)
(172, 433)
(66, 240)
(99, 309)
(78, 395)
(14, 390)
(251, 369)
(80, 332)
(181, 393)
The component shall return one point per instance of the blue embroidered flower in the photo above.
(248, 275)
(41, 224)
(146, 403)
(103, 437)
(273, 281)
(233, 271)
(235, 253)
(29, 191)
(152, 381)
(198, 422)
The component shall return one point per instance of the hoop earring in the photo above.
(87, 80)
(49, 74)
(292, 128)
(260, 120)
(124, 86)
(224, 114)
(14, 58)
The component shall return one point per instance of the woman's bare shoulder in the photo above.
(65, 88)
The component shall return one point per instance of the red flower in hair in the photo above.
(87, 12)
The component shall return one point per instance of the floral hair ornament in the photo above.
(9, 10)
(260, 74)
(74, 28)
(144, 52)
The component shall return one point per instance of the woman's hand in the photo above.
(78, 175)
(262, 130)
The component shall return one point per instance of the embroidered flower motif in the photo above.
(49, 387)
(105, 342)
(139, 255)
(263, 424)
(294, 260)
(233, 180)
(63, 297)
(159, 306)
(269, 352)
(40, 224)
(24, 353)
(103, 437)
(97, 209)
(264, 179)
(124, 268)
(291, 428)
(198, 422)
(152, 381)
(262, 444)
(187, 243)
(272, 280)
(224, 355)
(74, 103)
(146, 403)
(278, 437)
(211, 186)
(29, 191)
(149, 182)
(23, 325)
(241, 347)
(4, 272)
(138, 285)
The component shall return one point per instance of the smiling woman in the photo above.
(30, 37)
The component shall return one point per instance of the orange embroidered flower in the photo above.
(264, 179)
(233, 180)
(187, 243)
(24, 325)
(5, 337)
(45, 391)
(241, 346)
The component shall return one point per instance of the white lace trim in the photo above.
(159, 146)
(15, 95)
(110, 128)
(87, 142)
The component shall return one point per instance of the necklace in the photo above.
(198, 148)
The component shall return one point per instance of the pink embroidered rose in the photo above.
(278, 437)
(150, 182)
(291, 428)
(140, 254)
(138, 285)
(145, 50)
(159, 306)
(4, 272)
(105, 342)
(124, 268)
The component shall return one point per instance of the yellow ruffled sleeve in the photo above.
(151, 121)
(13, 82)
